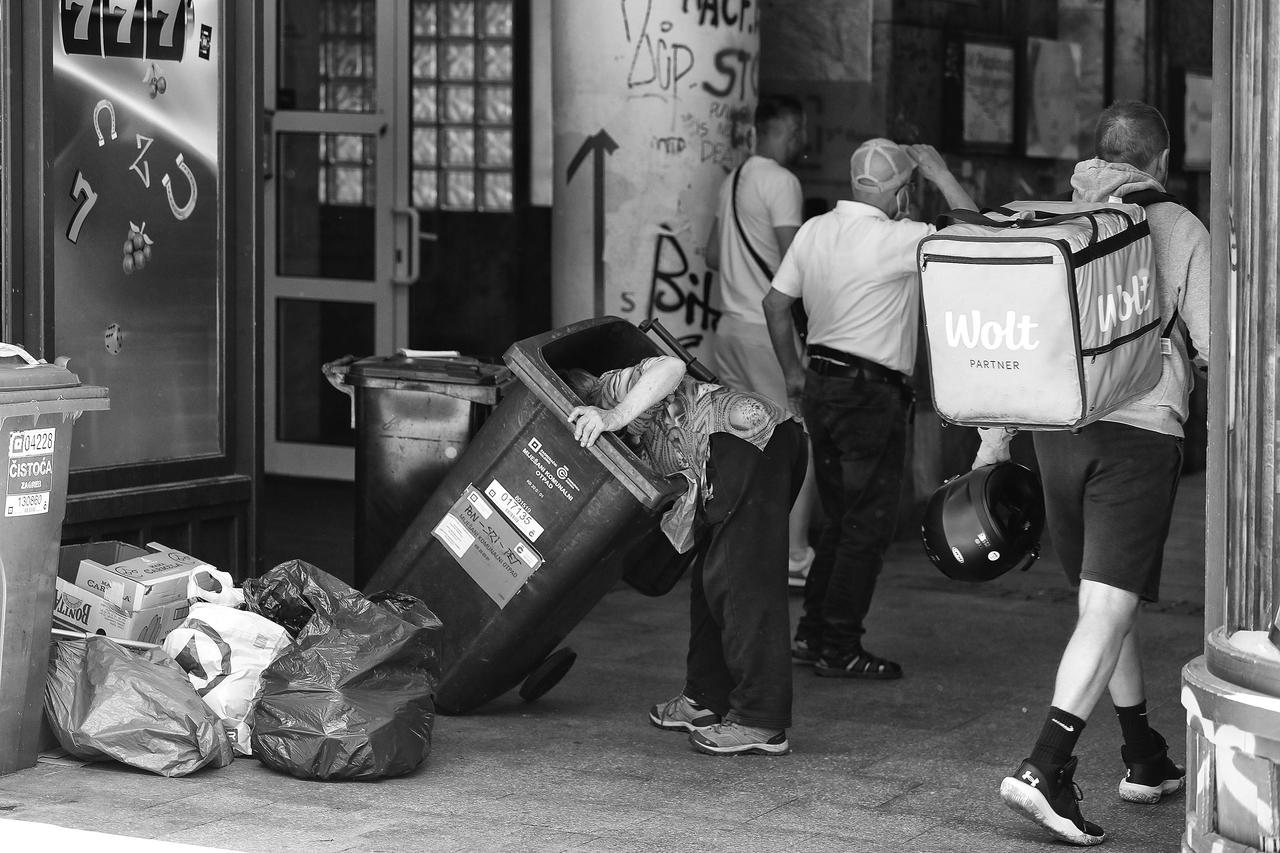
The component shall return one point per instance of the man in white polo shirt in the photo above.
(854, 268)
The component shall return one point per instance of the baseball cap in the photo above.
(880, 164)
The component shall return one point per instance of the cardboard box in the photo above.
(139, 578)
(83, 610)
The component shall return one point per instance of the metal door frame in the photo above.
(395, 230)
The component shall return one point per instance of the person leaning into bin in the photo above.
(745, 459)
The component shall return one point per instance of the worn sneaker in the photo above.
(1051, 800)
(805, 651)
(1149, 779)
(736, 739)
(860, 664)
(798, 568)
(682, 714)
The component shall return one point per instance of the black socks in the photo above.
(1139, 738)
(1057, 739)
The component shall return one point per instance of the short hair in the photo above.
(773, 107)
(584, 383)
(1130, 132)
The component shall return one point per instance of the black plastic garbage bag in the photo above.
(105, 701)
(354, 697)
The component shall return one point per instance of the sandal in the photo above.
(861, 664)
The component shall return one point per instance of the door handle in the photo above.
(407, 235)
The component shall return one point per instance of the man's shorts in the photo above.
(1109, 491)
(742, 357)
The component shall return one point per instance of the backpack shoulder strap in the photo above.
(1144, 198)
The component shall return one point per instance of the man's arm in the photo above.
(712, 251)
(658, 378)
(934, 169)
(784, 234)
(782, 334)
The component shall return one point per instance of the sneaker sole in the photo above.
(770, 749)
(1147, 795)
(677, 725)
(1030, 803)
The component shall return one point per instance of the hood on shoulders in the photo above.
(1097, 180)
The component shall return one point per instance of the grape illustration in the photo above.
(136, 251)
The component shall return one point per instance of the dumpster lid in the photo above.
(20, 371)
(462, 370)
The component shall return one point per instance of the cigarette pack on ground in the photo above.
(139, 578)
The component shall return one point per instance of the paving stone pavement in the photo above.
(877, 766)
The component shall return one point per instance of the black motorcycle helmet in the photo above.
(981, 524)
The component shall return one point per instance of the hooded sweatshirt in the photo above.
(1180, 243)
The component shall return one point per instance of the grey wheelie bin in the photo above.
(39, 406)
(528, 530)
(414, 419)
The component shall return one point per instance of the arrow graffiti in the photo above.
(597, 145)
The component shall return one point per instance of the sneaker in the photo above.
(805, 651)
(736, 739)
(798, 569)
(1149, 779)
(1051, 800)
(860, 664)
(682, 714)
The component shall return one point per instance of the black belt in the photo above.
(826, 361)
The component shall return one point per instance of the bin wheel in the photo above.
(547, 674)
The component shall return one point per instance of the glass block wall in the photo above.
(462, 57)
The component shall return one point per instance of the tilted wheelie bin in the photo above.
(528, 530)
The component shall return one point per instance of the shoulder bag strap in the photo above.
(798, 315)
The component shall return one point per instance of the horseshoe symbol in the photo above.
(185, 210)
(104, 104)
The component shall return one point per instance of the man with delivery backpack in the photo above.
(1072, 319)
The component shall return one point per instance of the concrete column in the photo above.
(1232, 691)
(653, 102)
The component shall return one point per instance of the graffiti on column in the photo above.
(704, 124)
(599, 144)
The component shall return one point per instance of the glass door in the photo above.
(342, 240)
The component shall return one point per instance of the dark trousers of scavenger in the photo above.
(739, 662)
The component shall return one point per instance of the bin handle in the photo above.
(7, 350)
(336, 372)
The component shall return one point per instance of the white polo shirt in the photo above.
(855, 270)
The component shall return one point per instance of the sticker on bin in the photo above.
(515, 509)
(29, 472)
(487, 547)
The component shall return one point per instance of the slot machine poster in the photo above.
(134, 128)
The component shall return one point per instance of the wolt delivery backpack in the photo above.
(1041, 315)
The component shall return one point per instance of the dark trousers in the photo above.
(858, 430)
(739, 662)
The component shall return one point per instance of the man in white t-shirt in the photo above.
(759, 211)
(855, 271)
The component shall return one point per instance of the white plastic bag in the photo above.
(223, 651)
(216, 587)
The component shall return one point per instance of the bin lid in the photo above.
(19, 371)
(462, 370)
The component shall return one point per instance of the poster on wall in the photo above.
(1197, 112)
(133, 129)
(1053, 86)
(983, 74)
